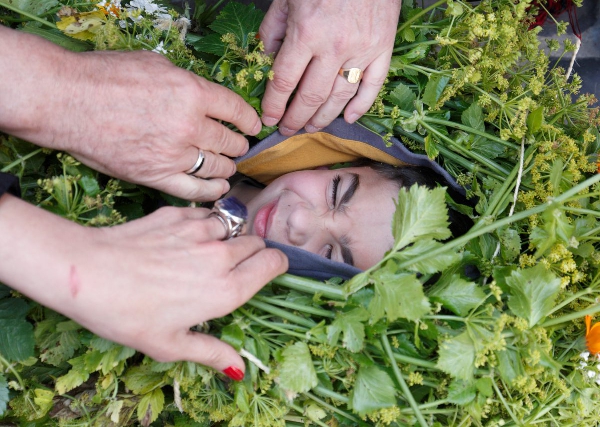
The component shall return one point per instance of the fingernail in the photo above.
(257, 128)
(286, 131)
(269, 121)
(353, 117)
(234, 373)
(312, 129)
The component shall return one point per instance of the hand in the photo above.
(132, 115)
(142, 284)
(314, 40)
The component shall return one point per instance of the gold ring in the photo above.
(353, 75)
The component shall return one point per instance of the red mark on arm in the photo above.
(74, 282)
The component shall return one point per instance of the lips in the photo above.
(264, 218)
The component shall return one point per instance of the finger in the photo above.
(373, 78)
(224, 104)
(341, 93)
(215, 166)
(314, 90)
(255, 271)
(289, 65)
(272, 29)
(209, 351)
(219, 139)
(194, 189)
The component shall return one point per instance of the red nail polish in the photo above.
(257, 36)
(234, 373)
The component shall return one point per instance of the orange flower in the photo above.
(592, 335)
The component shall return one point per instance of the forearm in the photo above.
(37, 251)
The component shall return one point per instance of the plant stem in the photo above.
(405, 390)
(20, 159)
(274, 326)
(297, 307)
(331, 407)
(325, 392)
(301, 411)
(284, 314)
(418, 15)
(310, 286)
(571, 316)
(5, 4)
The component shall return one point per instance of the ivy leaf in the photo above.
(3, 394)
(457, 357)
(430, 265)
(433, 90)
(458, 295)
(420, 213)
(150, 406)
(533, 292)
(403, 97)
(351, 326)
(297, 372)
(16, 339)
(473, 117)
(373, 390)
(397, 295)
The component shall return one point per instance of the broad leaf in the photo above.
(458, 295)
(37, 7)
(535, 119)
(461, 392)
(373, 390)
(141, 380)
(150, 406)
(16, 339)
(433, 90)
(397, 295)
(420, 213)
(430, 265)
(13, 308)
(74, 378)
(3, 394)
(457, 357)
(239, 20)
(473, 117)
(351, 326)
(403, 97)
(533, 292)
(297, 372)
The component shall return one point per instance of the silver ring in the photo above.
(198, 164)
(233, 215)
(353, 75)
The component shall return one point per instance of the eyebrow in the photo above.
(346, 197)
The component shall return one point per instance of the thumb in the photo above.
(210, 351)
(273, 27)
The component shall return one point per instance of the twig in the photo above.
(577, 46)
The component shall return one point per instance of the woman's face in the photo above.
(343, 214)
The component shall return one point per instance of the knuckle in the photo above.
(342, 95)
(311, 99)
(283, 85)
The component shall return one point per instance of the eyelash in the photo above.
(334, 190)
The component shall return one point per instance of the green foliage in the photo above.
(468, 84)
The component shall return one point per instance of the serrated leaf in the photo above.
(74, 378)
(420, 213)
(457, 357)
(509, 365)
(36, 8)
(43, 399)
(431, 146)
(16, 339)
(458, 295)
(403, 97)
(351, 326)
(510, 244)
(3, 394)
(13, 308)
(239, 20)
(397, 295)
(150, 406)
(461, 392)
(90, 185)
(373, 390)
(297, 372)
(233, 335)
(535, 119)
(473, 117)
(533, 292)
(434, 88)
(141, 379)
(211, 43)
(484, 386)
(430, 265)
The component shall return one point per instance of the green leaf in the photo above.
(403, 97)
(484, 386)
(431, 146)
(74, 378)
(90, 185)
(509, 365)
(473, 117)
(43, 399)
(210, 43)
(238, 19)
(233, 335)
(36, 8)
(533, 293)
(297, 372)
(351, 326)
(16, 339)
(3, 394)
(430, 265)
(458, 295)
(373, 390)
(461, 392)
(13, 308)
(397, 295)
(510, 244)
(535, 119)
(457, 357)
(59, 38)
(141, 379)
(420, 213)
(150, 406)
(433, 90)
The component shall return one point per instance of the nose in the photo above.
(304, 225)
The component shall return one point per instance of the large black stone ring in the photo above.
(233, 215)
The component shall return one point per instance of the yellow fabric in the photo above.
(309, 151)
